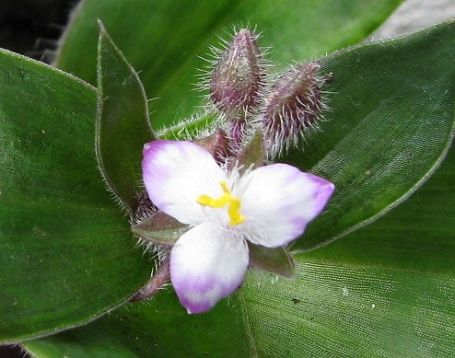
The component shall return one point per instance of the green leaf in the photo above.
(158, 329)
(160, 228)
(386, 290)
(390, 125)
(275, 260)
(165, 38)
(122, 123)
(67, 252)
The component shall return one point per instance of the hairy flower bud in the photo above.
(237, 76)
(217, 144)
(292, 106)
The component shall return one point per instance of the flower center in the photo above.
(226, 199)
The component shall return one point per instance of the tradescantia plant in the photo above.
(385, 127)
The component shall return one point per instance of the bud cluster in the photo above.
(261, 117)
(247, 98)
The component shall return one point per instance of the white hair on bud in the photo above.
(293, 108)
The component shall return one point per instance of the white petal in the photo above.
(176, 173)
(207, 264)
(278, 201)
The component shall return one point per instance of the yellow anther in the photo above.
(226, 199)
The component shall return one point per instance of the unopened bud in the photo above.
(292, 106)
(237, 76)
(217, 144)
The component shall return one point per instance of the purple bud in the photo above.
(237, 76)
(217, 144)
(292, 105)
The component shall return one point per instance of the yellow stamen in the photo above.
(226, 199)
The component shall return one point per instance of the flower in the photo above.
(268, 206)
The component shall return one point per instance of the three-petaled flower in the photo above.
(268, 206)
